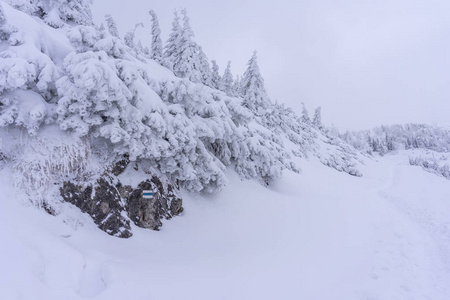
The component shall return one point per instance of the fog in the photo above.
(365, 62)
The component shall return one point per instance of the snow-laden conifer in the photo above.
(130, 36)
(94, 98)
(2, 15)
(74, 12)
(202, 64)
(184, 56)
(253, 90)
(111, 25)
(57, 12)
(237, 86)
(385, 139)
(186, 61)
(172, 47)
(215, 76)
(317, 119)
(305, 115)
(226, 82)
(187, 132)
(27, 75)
(214, 131)
(156, 47)
(112, 99)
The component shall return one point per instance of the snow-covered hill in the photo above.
(79, 104)
(318, 235)
(261, 201)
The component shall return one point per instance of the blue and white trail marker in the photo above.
(148, 194)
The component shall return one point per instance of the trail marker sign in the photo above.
(148, 194)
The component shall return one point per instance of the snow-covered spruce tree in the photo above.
(156, 47)
(255, 151)
(317, 119)
(167, 139)
(204, 68)
(107, 95)
(432, 164)
(390, 145)
(57, 12)
(226, 82)
(185, 60)
(170, 142)
(237, 86)
(390, 138)
(261, 157)
(186, 63)
(261, 153)
(2, 15)
(215, 77)
(111, 25)
(215, 131)
(27, 74)
(253, 90)
(9, 33)
(305, 115)
(130, 35)
(26, 6)
(70, 11)
(172, 48)
(94, 99)
(142, 49)
(284, 122)
(183, 56)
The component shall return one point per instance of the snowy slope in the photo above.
(318, 235)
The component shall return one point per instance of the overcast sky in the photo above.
(366, 62)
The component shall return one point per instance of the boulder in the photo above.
(103, 202)
(112, 205)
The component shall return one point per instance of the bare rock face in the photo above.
(120, 166)
(111, 204)
(102, 202)
(147, 213)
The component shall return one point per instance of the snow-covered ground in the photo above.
(316, 235)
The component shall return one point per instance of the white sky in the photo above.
(366, 62)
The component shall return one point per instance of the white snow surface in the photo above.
(317, 235)
(320, 234)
